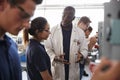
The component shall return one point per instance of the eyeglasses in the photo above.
(25, 14)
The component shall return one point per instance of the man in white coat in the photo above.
(83, 24)
(66, 46)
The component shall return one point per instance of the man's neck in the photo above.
(2, 32)
(67, 25)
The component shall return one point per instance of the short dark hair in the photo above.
(85, 20)
(37, 24)
(14, 2)
(70, 8)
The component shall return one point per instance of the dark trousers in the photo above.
(82, 66)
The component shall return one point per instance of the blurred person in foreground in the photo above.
(110, 73)
(14, 16)
(38, 61)
(66, 46)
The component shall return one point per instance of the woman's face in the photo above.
(87, 33)
(45, 33)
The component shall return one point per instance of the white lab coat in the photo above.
(54, 47)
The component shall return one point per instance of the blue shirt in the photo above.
(10, 68)
(37, 60)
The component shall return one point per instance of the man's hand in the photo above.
(112, 73)
(79, 57)
(61, 59)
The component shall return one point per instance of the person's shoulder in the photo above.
(79, 30)
(9, 39)
(55, 28)
(13, 47)
(34, 48)
(33, 43)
